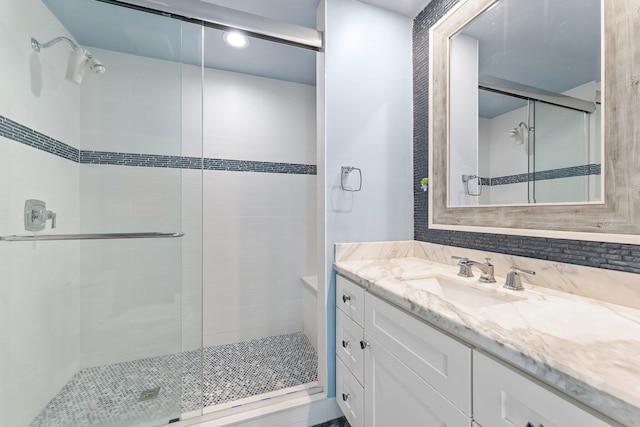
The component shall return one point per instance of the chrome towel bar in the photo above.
(103, 236)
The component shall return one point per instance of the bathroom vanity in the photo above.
(414, 341)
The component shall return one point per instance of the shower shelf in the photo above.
(104, 236)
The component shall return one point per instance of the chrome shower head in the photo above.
(95, 65)
(79, 59)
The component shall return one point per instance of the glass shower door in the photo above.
(566, 155)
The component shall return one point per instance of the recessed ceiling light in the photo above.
(235, 39)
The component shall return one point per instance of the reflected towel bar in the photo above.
(104, 236)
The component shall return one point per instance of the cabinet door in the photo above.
(350, 299)
(397, 396)
(439, 359)
(503, 397)
(348, 337)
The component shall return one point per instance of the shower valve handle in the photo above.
(52, 216)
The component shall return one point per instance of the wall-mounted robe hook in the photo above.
(344, 177)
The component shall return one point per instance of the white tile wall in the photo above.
(255, 118)
(134, 107)
(259, 239)
(39, 308)
(33, 85)
(39, 292)
(130, 291)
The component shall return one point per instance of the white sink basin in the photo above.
(460, 293)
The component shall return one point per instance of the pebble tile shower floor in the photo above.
(112, 395)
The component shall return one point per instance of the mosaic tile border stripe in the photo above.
(572, 171)
(25, 135)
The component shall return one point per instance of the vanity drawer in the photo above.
(349, 395)
(504, 397)
(350, 299)
(437, 358)
(348, 337)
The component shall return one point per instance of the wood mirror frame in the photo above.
(617, 217)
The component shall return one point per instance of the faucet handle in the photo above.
(465, 268)
(513, 281)
(515, 269)
(487, 261)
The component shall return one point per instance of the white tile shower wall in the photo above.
(39, 292)
(259, 229)
(34, 90)
(191, 259)
(131, 295)
(135, 107)
(130, 289)
(259, 239)
(39, 295)
(259, 119)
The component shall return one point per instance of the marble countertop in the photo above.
(585, 348)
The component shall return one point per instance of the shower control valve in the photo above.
(36, 215)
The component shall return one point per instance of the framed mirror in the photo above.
(532, 119)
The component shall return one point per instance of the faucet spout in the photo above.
(486, 268)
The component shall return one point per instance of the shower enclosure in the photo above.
(179, 174)
(532, 151)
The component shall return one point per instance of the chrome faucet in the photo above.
(513, 281)
(486, 268)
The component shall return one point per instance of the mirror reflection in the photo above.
(525, 105)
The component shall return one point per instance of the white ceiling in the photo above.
(102, 25)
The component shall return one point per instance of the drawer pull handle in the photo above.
(531, 425)
(345, 344)
(346, 298)
(364, 344)
(345, 396)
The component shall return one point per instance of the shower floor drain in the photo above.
(152, 393)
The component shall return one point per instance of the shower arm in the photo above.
(36, 45)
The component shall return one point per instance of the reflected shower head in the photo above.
(79, 59)
(519, 132)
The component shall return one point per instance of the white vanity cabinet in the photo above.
(393, 369)
(414, 375)
(505, 397)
